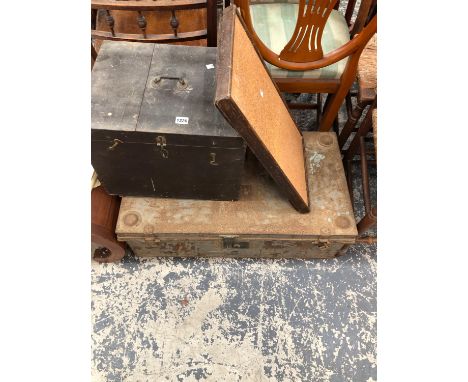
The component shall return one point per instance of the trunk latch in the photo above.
(115, 143)
(231, 242)
(161, 143)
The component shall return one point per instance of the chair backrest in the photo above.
(141, 7)
(304, 49)
(305, 44)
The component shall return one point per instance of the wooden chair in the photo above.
(366, 92)
(137, 20)
(310, 47)
(359, 147)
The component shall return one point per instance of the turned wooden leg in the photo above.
(354, 146)
(93, 55)
(370, 219)
(336, 126)
(212, 22)
(325, 107)
(332, 105)
(367, 222)
(348, 128)
(319, 109)
(349, 103)
(349, 179)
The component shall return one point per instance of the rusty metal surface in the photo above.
(261, 210)
(257, 248)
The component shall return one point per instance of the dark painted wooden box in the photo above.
(155, 129)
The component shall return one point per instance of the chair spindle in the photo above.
(142, 23)
(110, 21)
(174, 22)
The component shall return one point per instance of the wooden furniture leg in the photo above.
(350, 124)
(367, 222)
(212, 22)
(370, 218)
(93, 55)
(319, 109)
(358, 146)
(354, 147)
(104, 212)
(333, 106)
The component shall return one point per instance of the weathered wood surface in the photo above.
(139, 145)
(249, 100)
(186, 89)
(138, 87)
(261, 224)
(118, 83)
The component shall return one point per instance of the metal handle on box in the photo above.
(181, 82)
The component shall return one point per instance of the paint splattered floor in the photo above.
(237, 319)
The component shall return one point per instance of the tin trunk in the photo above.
(261, 224)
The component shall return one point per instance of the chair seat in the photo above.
(274, 24)
(367, 71)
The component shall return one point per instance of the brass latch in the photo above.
(114, 144)
(161, 143)
(213, 159)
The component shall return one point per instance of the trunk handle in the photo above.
(181, 82)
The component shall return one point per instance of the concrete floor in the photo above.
(233, 320)
(237, 319)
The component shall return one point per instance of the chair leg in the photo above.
(319, 109)
(349, 103)
(367, 222)
(212, 22)
(349, 179)
(350, 124)
(325, 107)
(336, 126)
(93, 55)
(370, 219)
(365, 175)
(363, 129)
(332, 106)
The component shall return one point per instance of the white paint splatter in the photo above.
(161, 321)
(314, 161)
